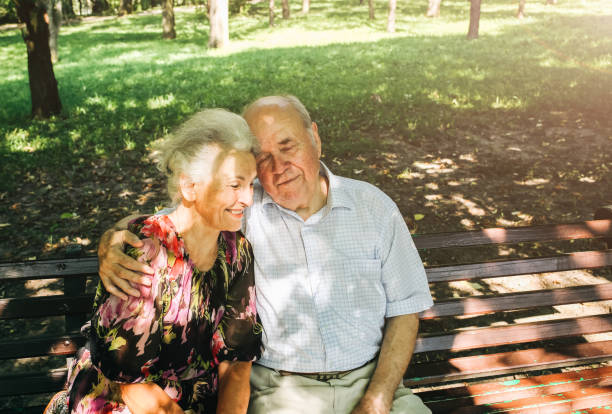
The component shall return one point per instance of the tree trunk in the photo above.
(43, 86)
(99, 6)
(168, 19)
(371, 9)
(474, 19)
(305, 6)
(219, 27)
(67, 8)
(521, 9)
(286, 11)
(125, 7)
(391, 17)
(271, 13)
(433, 10)
(551, 1)
(54, 15)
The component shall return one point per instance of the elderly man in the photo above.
(339, 281)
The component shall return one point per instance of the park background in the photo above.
(511, 129)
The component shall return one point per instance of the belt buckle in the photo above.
(324, 377)
(321, 376)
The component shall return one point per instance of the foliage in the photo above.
(238, 6)
(7, 12)
(372, 94)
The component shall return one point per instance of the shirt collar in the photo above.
(337, 196)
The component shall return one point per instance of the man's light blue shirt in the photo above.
(326, 285)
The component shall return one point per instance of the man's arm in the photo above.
(116, 269)
(397, 346)
(234, 387)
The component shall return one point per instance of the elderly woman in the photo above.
(188, 343)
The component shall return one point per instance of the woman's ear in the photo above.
(187, 188)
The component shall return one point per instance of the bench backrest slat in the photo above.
(41, 346)
(571, 261)
(42, 306)
(48, 269)
(526, 332)
(586, 230)
(478, 305)
(478, 366)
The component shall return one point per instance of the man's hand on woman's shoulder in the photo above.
(118, 271)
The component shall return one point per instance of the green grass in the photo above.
(371, 93)
(122, 86)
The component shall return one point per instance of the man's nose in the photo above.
(279, 164)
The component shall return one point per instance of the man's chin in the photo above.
(288, 201)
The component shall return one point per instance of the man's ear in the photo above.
(187, 188)
(315, 136)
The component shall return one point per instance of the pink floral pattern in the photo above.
(174, 334)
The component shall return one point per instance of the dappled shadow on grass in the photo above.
(10, 39)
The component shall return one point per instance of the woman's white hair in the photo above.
(185, 151)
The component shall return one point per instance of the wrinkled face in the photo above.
(221, 199)
(288, 164)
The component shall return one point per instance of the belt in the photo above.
(319, 376)
(322, 376)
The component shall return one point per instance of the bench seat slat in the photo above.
(501, 391)
(41, 306)
(42, 346)
(526, 332)
(47, 269)
(478, 305)
(565, 402)
(571, 261)
(585, 230)
(470, 367)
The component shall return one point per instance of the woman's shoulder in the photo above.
(159, 229)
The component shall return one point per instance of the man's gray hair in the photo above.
(185, 150)
(277, 100)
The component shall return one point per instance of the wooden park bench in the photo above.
(473, 354)
(494, 362)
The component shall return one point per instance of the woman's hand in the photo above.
(234, 387)
(116, 269)
(148, 399)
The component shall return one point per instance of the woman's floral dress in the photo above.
(177, 332)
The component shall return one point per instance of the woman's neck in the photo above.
(200, 240)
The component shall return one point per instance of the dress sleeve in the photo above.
(127, 334)
(238, 335)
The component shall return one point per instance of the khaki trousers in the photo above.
(272, 393)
